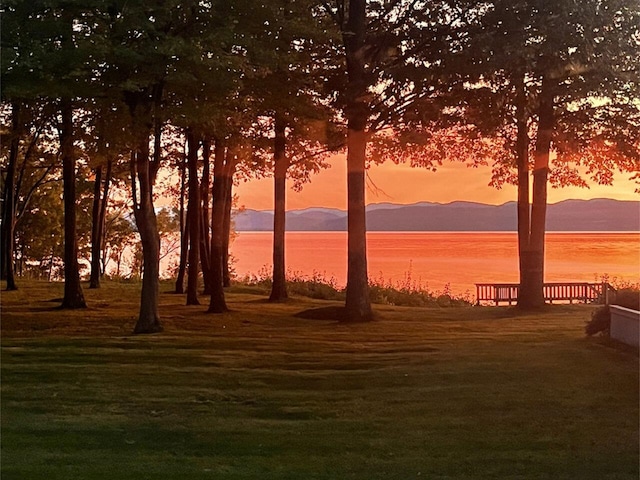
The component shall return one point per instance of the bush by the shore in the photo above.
(405, 292)
(601, 317)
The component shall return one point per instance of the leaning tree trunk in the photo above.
(217, 303)
(143, 175)
(193, 215)
(358, 304)
(73, 295)
(279, 283)
(532, 290)
(7, 228)
(145, 215)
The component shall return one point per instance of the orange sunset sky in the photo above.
(404, 184)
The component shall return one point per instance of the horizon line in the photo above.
(441, 204)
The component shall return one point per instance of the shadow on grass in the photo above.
(333, 313)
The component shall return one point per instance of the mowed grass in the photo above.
(464, 393)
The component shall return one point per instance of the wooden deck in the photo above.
(580, 292)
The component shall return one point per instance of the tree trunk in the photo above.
(217, 303)
(279, 284)
(532, 289)
(193, 214)
(205, 235)
(8, 207)
(358, 304)
(143, 174)
(73, 295)
(522, 162)
(103, 214)
(226, 232)
(98, 215)
(145, 215)
(94, 280)
(184, 231)
(50, 267)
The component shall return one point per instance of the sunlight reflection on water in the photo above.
(460, 259)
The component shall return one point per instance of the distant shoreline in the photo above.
(600, 215)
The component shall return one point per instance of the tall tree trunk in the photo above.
(94, 280)
(205, 235)
(145, 215)
(73, 295)
(103, 214)
(522, 161)
(217, 303)
(226, 232)
(50, 274)
(98, 218)
(184, 229)
(532, 295)
(279, 283)
(143, 174)
(193, 214)
(9, 204)
(358, 304)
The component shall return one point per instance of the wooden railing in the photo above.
(582, 292)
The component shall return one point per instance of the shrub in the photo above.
(628, 298)
(406, 292)
(600, 321)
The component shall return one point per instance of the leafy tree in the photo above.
(104, 142)
(289, 94)
(34, 166)
(119, 236)
(39, 231)
(49, 57)
(356, 98)
(149, 41)
(558, 83)
(7, 235)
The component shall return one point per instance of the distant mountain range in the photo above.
(569, 215)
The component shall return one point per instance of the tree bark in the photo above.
(103, 214)
(522, 162)
(145, 215)
(193, 215)
(143, 174)
(279, 283)
(73, 294)
(184, 231)
(9, 204)
(205, 235)
(358, 304)
(531, 293)
(98, 216)
(217, 303)
(94, 280)
(226, 235)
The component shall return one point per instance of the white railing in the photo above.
(625, 325)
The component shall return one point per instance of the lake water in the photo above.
(434, 259)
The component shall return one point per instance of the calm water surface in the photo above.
(435, 259)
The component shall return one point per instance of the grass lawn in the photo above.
(260, 393)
